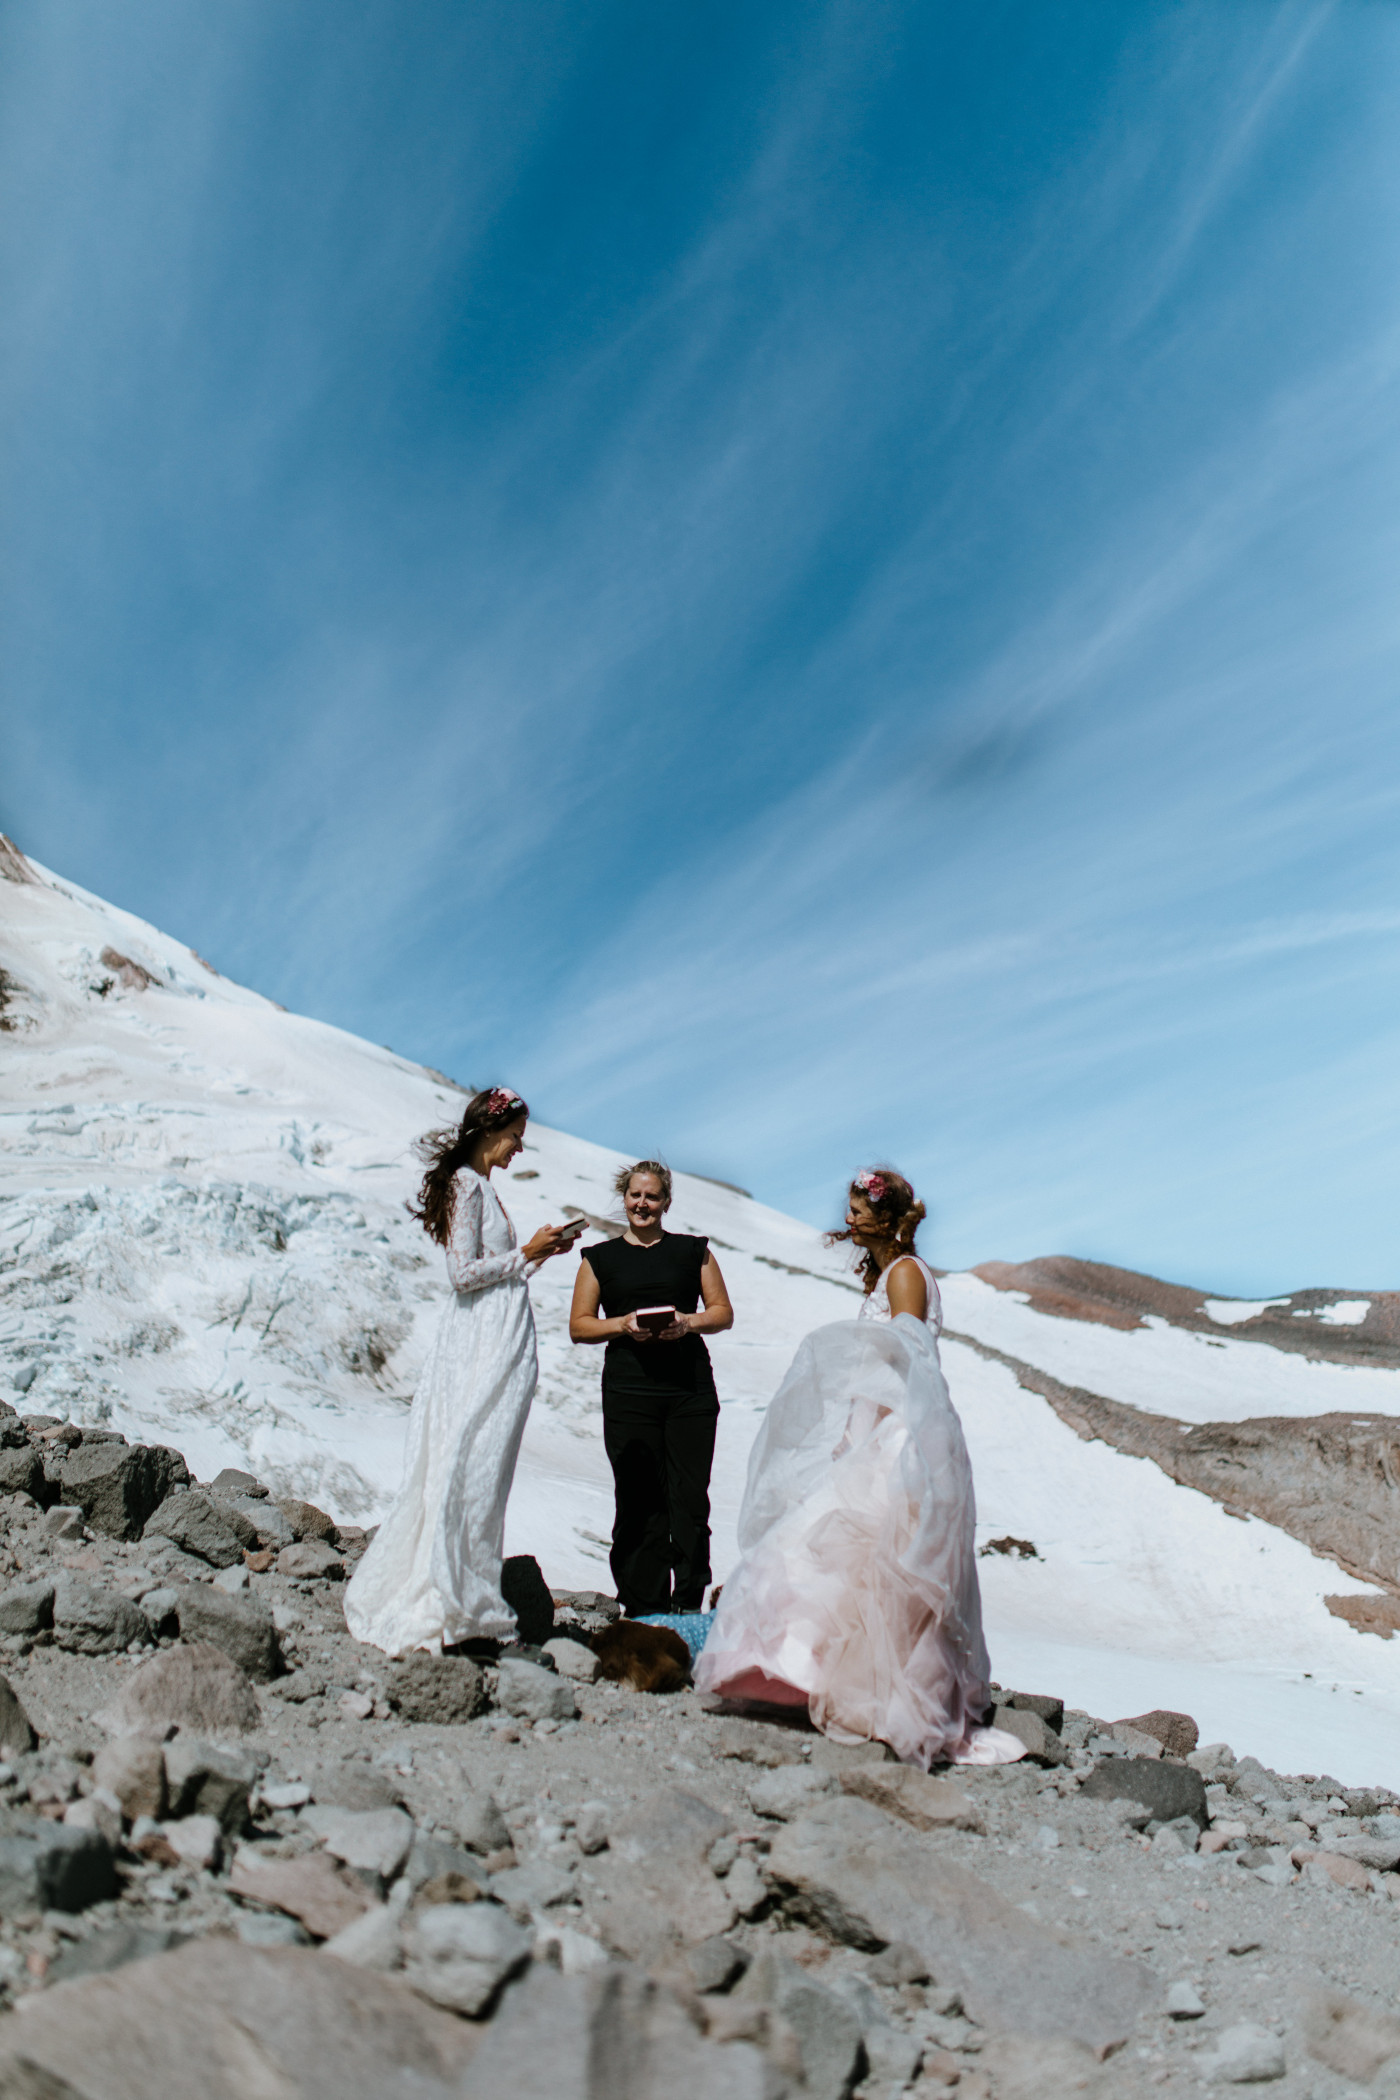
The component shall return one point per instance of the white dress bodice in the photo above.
(877, 1305)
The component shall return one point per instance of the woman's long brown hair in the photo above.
(445, 1151)
(898, 1212)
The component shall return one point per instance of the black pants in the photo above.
(660, 1446)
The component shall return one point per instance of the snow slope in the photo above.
(203, 1241)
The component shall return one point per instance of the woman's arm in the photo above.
(908, 1292)
(584, 1323)
(468, 1267)
(716, 1313)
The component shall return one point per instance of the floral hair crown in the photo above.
(876, 1186)
(500, 1099)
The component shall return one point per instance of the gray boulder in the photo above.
(307, 1521)
(374, 1843)
(26, 1608)
(869, 1882)
(533, 1694)
(198, 1524)
(132, 1769)
(194, 1688)
(653, 1890)
(461, 1954)
(788, 1791)
(827, 2028)
(1165, 1790)
(225, 2021)
(716, 1963)
(16, 1729)
(1043, 1746)
(437, 1688)
(431, 1859)
(266, 1518)
(111, 1949)
(162, 1609)
(54, 1866)
(231, 1482)
(89, 1621)
(208, 1779)
(119, 1486)
(351, 1783)
(22, 1473)
(311, 1560)
(611, 2034)
(479, 1823)
(241, 1625)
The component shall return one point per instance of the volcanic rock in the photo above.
(215, 2020)
(196, 1688)
(241, 1626)
(437, 1688)
(1166, 1790)
(120, 1486)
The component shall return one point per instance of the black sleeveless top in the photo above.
(629, 1278)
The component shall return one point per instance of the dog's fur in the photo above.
(650, 1658)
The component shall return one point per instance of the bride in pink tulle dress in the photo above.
(857, 1593)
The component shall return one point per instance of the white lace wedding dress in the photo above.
(432, 1574)
(857, 1594)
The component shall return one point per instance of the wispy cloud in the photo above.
(815, 588)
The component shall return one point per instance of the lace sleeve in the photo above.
(468, 1268)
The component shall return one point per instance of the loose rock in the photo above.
(90, 1621)
(16, 1730)
(572, 1660)
(1352, 2039)
(1245, 2055)
(49, 1866)
(311, 1560)
(307, 1521)
(445, 1689)
(1043, 1746)
(550, 2025)
(242, 1627)
(533, 1694)
(120, 1486)
(132, 1770)
(195, 1688)
(207, 1779)
(869, 1882)
(915, 1797)
(27, 1608)
(1166, 1790)
(198, 1524)
(231, 2021)
(313, 1889)
(1177, 1733)
(463, 1953)
(374, 1842)
(789, 1790)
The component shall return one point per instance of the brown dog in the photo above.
(651, 1658)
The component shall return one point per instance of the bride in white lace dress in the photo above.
(857, 1594)
(432, 1575)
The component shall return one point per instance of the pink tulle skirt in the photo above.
(825, 1613)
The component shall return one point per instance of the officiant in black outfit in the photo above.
(660, 1408)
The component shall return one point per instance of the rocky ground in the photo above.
(241, 1854)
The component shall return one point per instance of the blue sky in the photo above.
(805, 584)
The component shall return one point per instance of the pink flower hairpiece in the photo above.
(875, 1185)
(500, 1099)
